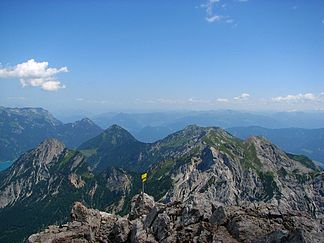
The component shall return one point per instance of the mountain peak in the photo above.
(52, 143)
(191, 127)
(108, 148)
(86, 120)
(115, 131)
(48, 149)
(194, 131)
(116, 127)
(196, 128)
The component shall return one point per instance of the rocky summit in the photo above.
(150, 221)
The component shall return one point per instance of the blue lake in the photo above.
(5, 165)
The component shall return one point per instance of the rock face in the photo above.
(50, 178)
(228, 171)
(149, 221)
(36, 165)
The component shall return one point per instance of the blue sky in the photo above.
(161, 55)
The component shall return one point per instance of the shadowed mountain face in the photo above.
(22, 129)
(73, 134)
(205, 166)
(114, 147)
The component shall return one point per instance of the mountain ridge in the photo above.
(195, 164)
(309, 142)
(22, 129)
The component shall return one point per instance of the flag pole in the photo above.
(143, 188)
(143, 179)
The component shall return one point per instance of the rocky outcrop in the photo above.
(253, 171)
(149, 221)
(31, 169)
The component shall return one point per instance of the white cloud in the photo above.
(229, 21)
(224, 100)
(213, 18)
(210, 15)
(198, 101)
(169, 101)
(243, 96)
(296, 98)
(35, 74)
(52, 85)
(216, 10)
(309, 96)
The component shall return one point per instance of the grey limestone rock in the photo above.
(149, 221)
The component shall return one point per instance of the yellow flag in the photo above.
(144, 177)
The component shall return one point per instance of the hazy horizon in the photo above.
(77, 110)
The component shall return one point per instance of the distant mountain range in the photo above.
(296, 132)
(196, 164)
(221, 118)
(150, 127)
(22, 129)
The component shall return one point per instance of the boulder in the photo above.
(141, 205)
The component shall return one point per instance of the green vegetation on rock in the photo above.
(304, 161)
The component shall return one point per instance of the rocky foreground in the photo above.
(192, 221)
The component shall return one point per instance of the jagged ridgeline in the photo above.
(203, 165)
